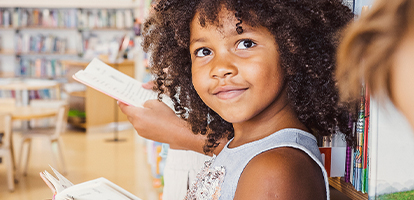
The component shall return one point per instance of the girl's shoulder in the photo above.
(286, 173)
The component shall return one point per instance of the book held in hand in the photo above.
(99, 188)
(116, 84)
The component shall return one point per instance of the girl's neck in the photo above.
(266, 123)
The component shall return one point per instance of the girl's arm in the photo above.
(282, 173)
(156, 121)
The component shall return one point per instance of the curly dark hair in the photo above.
(306, 32)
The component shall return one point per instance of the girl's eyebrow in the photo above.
(202, 39)
(232, 34)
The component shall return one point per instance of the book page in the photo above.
(114, 83)
(100, 188)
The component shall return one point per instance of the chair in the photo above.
(52, 134)
(6, 148)
(6, 104)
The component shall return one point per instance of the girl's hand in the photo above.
(155, 121)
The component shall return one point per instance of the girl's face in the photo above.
(236, 75)
(402, 81)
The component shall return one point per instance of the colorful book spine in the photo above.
(348, 154)
(352, 167)
(360, 143)
(40, 68)
(365, 150)
(66, 18)
(348, 158)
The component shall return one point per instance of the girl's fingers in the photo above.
(148, 85)
(127, 110)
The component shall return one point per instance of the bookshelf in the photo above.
(390, 156)
(51, 31)
(40, 36)
(346, 188)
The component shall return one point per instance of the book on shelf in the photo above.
(348, 153)
(5, 17)
(357, 159)
(40, 43)
(365, 163)
(116, 84)
(66, 18)
(348, 164)
(100, 188)
(358, 150)
(39, 68)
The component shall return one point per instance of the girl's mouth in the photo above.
(226, 93)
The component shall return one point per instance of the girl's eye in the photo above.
(202, 52)
(245, 44)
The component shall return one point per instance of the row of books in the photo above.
(66, 18)
(102, 18)
(39, 43)
(356, 159)
(39, 68)
(33, 94)
(35, 17)
(357, 165)
(156, 157)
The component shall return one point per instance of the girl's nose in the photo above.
(223, 66)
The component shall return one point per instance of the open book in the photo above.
(99, 188)
(116, 84)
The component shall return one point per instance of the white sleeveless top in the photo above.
(219, 177)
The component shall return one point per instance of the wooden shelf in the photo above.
(78, 94)
(12, 52)
(45, 28)
(6, 74)
(10, 28)
(105, 29)
(69, 53)
(346, 188)
(7, 52)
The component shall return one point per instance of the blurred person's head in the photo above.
(378, 50)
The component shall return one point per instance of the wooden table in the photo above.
(28, 112)
(22, 87)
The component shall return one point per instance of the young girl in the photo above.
(378, 49)
(258, 73)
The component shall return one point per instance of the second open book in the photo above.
(99, 188)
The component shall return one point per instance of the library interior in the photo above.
(52, 124)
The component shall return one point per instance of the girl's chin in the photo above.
(234, 120)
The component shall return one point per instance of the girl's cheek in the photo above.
(401, 77)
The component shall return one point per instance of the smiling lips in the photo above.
(225, 93)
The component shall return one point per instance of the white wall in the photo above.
(360, 3)
(391, 153)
